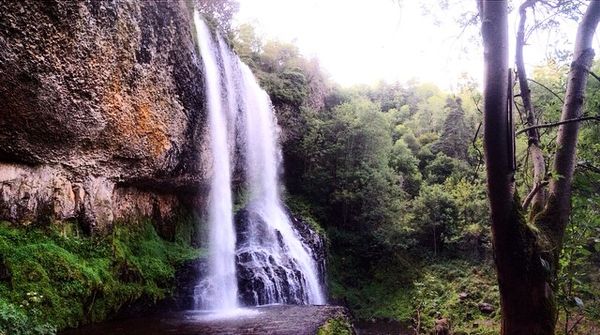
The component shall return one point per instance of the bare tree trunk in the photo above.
(526, 305)
(527, 261)
(538, 193)
(555, 217)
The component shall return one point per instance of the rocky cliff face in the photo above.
(101, 110)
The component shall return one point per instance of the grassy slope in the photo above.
(420, 292)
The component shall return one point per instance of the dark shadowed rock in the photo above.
(315, 241)
(486, 308)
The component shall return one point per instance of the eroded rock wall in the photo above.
(101, 110)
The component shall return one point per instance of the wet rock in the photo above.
(259, 267)
(315, 241)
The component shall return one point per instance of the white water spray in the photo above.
(219, 290)
(279, 248)
(274, 265)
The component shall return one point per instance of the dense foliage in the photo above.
(52, 278)
(335, 326)
(394, 174)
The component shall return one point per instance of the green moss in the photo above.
(299, 206)
(241, 199)
(60, 279)
(336, 326)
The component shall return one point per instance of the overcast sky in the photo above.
(362, 42)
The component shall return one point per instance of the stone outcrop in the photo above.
(101, 110)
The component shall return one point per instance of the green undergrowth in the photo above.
(56, 278)
(417, 294)
(336, 326)
(301, 207)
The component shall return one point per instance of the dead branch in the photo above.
(594, 75)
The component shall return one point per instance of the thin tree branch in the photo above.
(474, 142)
(575, 324)
(546, 19)
(554, 124)
(594, 75)
(519, 112)
(589, 167)
(548, 89)
(533, 192)
(538, 196)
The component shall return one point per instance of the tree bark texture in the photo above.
(526, 258)
(525, 295)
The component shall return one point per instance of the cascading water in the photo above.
(219, 289)
(278, 267)
(273, 264)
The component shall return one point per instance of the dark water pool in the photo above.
(276, 320)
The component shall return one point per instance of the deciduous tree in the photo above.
(527, 250)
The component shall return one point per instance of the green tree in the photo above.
(348, 163)
(454, 140)
(435, 216)
(220, 12)
(406, 165)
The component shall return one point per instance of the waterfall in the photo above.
(264, 260)
(219, 289)
(283, 268)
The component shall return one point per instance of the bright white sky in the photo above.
(363, 42)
